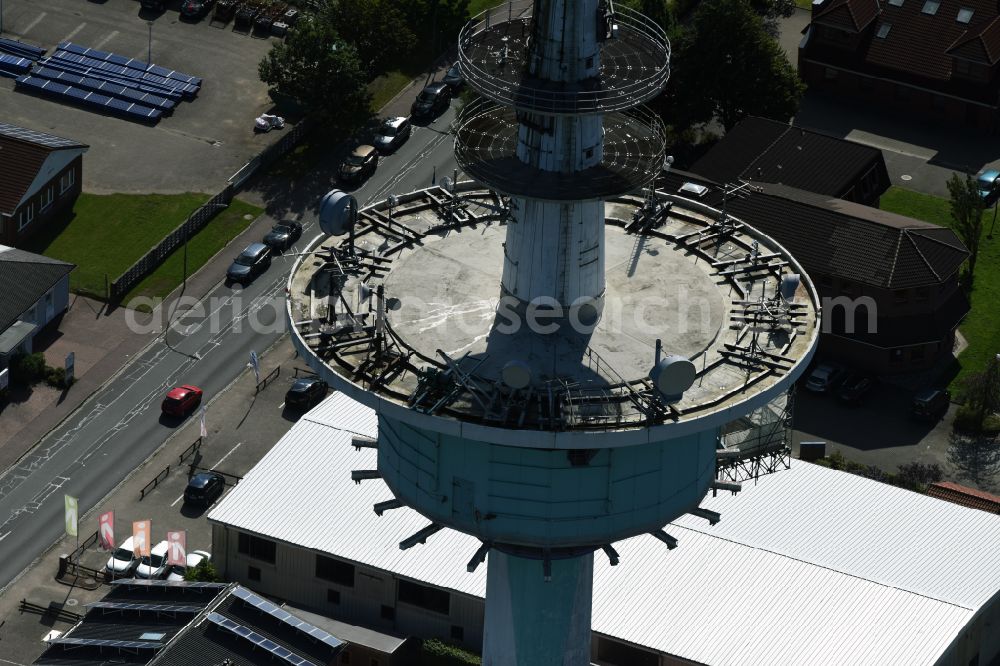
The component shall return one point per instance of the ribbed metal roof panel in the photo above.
(808, 566)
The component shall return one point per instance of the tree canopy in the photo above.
(321, 71)
(726, 65)
(967, 212)
(378, 29)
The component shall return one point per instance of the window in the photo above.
(896, 3)
(66, 181)
(883, 30)
(965, 15)
(830, 74)
(388, 613)
(26, 216)
(426, 597)
(253, 573)
(931, 7)
(48, 196)
(333, 597)
(257, 548)
(457, 633)
(962, 67)
(896, 356)
(335, 571)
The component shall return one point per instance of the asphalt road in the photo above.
(120, 426)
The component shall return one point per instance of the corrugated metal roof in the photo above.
(809, 566)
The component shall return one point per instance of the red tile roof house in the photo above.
(937, 58)
(40, 176)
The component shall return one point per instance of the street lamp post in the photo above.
(149, 50)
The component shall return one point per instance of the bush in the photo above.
(967, 420)
(438, 653)
(56, 377)
(205, 573)
(27, 369)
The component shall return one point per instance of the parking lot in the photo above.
(195, 149)
(242, 426)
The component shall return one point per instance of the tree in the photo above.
(436, 22)
(727, 66)
(967, 212)
(976, 456)
(771, 11)
(205, 572)
(378, 30)
(321, 71)
(982, 394)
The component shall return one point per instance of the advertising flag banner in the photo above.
(106, 530)
(255, 364)
(204, 428)
(141, 533)
(177, 548)
(72, 509)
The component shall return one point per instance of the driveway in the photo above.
(196, 148)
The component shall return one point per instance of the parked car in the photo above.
(157, 5)
(431, 101)
(252, 262)
(194, 558)
(392, 133)
(305, 393)
(360, 164)
(453, 78)
(988, 183)
(824, 378)
(283, 235)
(195, 9)
(855, 387)
(204, 488)
(153, 565)
(181, 400)
(930, 404)
(123, 561)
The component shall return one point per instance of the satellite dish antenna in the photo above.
(516, 374)
(338, 213)
(392, 304)
(789, 285)
(672, 375)
(447, 183)
(393, 200)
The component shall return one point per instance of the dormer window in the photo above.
(883, 30)
(896, 3)
(931, 7)
(965, 14)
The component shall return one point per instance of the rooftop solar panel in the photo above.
(284, 616)
(41, 138)
(158, 608)
(149, 582)
(101, 642)
(258, 640)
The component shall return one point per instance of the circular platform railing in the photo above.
(486, 149)
(493, 54)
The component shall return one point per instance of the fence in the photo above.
(197, 221)
(155, 482)
(268, 378)
(84, 545)
(54, 610)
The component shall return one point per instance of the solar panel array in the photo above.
(260, 641)
(282, 615)
(113, 83)
(12, 65)
(41, 138)
(20, 49)
(153, 582)
(101, 642)
(158, 608)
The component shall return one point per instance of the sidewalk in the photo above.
(102, 341)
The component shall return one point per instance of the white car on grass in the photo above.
(194, 558)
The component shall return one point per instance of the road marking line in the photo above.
(227, 455)
(100, 44)
(38, 19)
(177, 500)
(281, 406)
(73, 34)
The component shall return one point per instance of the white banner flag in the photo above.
(255, 364)
(177, 548)
(106, 530)
(72, 509)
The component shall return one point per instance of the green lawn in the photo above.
(201, 247)
(981, 327)
(107, 233)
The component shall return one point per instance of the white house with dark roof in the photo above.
(34, 291)
(40, 178)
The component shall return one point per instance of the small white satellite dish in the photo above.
(447, 183)
(789, 285)
(673, 375)
(338, 212)
(516, 374)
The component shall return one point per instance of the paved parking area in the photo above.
(242, 427)
(195, 149)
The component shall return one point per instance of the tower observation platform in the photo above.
(556, 350)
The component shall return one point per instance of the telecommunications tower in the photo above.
(557, 350)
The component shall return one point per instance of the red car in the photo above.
(182, 400)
